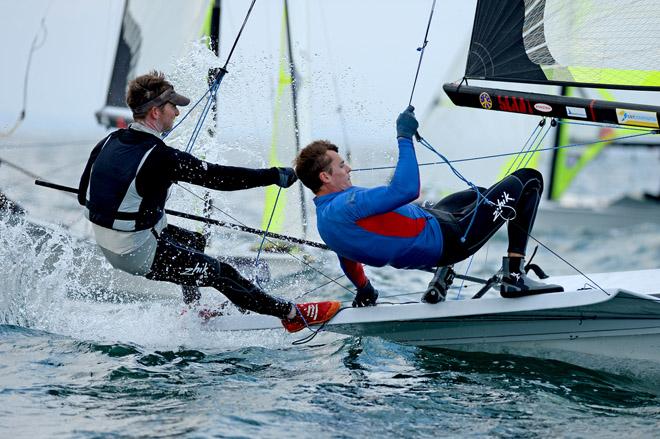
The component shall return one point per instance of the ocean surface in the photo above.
(83, 355)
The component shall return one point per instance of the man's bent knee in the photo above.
(528, 175)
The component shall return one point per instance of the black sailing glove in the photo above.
(366, 296)
(406, 124)
(287, 177)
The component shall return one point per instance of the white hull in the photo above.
(615, 323)
(610, 328)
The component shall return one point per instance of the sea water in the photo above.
(78, 359)
(75, 363)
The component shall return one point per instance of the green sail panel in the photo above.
(282, 138)
(567, 163)
(590, 43)
(284, 210)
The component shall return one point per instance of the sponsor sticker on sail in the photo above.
(637, 118)
(486, 101)
(543, 108)
(576, 112)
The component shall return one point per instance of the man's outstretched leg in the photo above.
(244, 294)
(186, 266)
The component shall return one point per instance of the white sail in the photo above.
(151, 38)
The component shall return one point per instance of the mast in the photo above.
(214, 43)
(296, 124)
(215, 27)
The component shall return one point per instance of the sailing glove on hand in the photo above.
(287, 177)
(366, 296)
(406, 124)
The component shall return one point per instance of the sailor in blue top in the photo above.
(382, 226)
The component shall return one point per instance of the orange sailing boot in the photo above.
(311, 313)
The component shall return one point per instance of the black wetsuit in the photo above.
(521, 191)
(124, 187)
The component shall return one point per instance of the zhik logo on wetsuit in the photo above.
(197, 269)
(505, 198)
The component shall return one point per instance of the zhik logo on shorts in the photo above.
(197, 269)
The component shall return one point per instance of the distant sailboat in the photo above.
(624, 207)
(150, 40)
(568, 44)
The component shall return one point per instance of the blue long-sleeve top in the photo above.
(380, 226)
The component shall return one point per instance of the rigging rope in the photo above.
(553, 123)
(302, 261)
(480, 197)
(527, 146)
(467, 270)
(33, 48)
(564, 260)
(212, 89)
(607, 125)
(421, 52)
(263, 238)
(507, 154)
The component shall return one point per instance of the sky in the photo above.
(58, 55)
(360, 55)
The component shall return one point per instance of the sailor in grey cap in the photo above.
(124, 188)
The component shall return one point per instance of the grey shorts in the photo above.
(138, 261)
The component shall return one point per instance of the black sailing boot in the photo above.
(437, 289)
(515, 282)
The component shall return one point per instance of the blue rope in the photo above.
(213, 89)
(527, 144)
(484, 157)
(480, 197)
(205, 111)
(538, 144)
(270, 219)
(185, 115)
(467, 270)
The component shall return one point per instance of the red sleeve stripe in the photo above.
(355, 272)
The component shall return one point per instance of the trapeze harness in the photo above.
(380, 226)
(125, 186)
